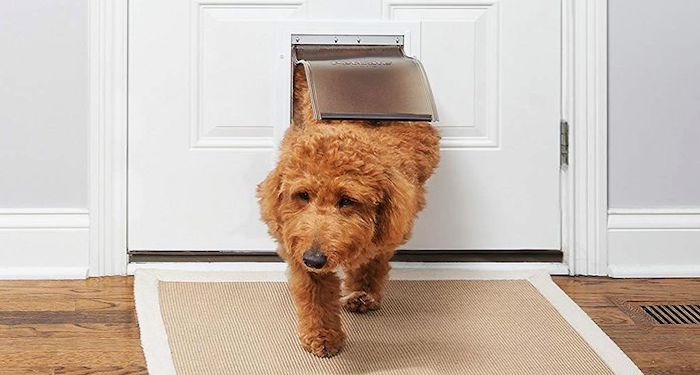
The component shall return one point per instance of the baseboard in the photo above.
(44, 243)
(651, 271)
(654, 243)
(43, 273)
(43, 218)
(654, 219)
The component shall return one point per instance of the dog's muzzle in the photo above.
(314, 258)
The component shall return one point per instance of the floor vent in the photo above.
(673, 314)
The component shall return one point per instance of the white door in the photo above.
(206, 93)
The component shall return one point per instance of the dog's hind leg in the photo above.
(316, 298)
(363, 287)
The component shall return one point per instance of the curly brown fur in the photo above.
(348, 190)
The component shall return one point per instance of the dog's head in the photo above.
(331, 202)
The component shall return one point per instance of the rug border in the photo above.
(154, 339)
(156, 348)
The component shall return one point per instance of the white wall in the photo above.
(43, 97)
(654, 130)
(654, 103)
(43, 136)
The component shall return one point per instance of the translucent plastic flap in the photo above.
(366, 82)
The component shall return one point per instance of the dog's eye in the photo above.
(302, 196)
(345, 201)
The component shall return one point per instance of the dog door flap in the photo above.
(366, 82)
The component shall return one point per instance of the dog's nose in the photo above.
(314, 258)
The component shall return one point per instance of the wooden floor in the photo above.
(614, 306)
(89, 327)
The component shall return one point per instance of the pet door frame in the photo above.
(285, 31)
(370, 70)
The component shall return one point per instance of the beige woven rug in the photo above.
(197, 323)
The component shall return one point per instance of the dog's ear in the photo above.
(396, 212)
(270, 195)
(302, 111)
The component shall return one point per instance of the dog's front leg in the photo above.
(316, 297)
(364, 286)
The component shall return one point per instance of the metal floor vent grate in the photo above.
(673, 314)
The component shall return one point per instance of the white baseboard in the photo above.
(44, 243)
(654, 243)
(654, 219)
(652, 271)
(43, 218)
(43, 273)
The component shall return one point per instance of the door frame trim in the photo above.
(584, 105)
(108, 33)
(584, 189)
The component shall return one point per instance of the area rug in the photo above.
(431, 322)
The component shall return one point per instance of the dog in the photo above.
(343, 195)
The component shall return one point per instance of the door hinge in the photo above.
(564, 143)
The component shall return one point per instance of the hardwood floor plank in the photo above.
(85, 330)
(113, 370)
(129, 370)
(36, 303)
(66, 317)
(58, 358)
(37, 345)
(105, 304)
(609, 316)
(27, 371)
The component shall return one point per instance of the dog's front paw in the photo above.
(323, 344)
(360, 302)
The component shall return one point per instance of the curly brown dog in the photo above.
(344, 194)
